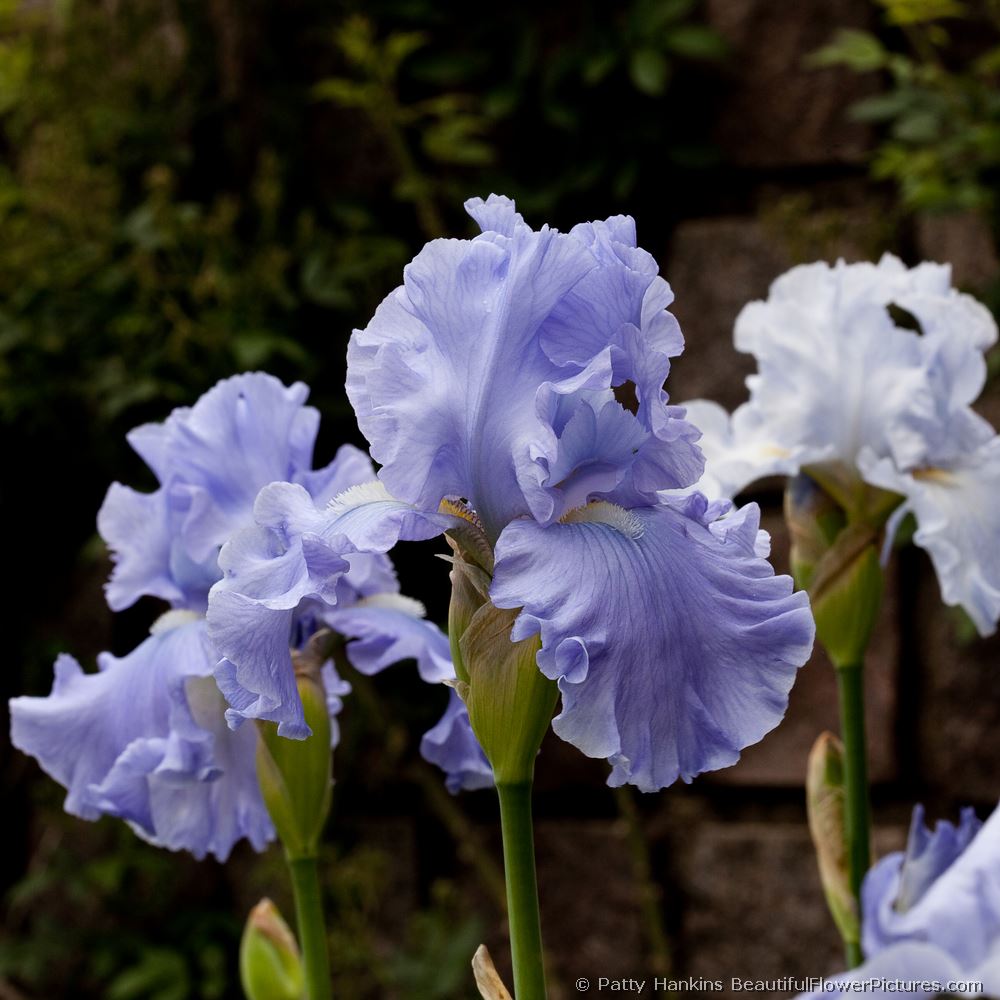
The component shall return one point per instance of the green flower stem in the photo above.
(304, 873)
(522, 890)
(857, 812)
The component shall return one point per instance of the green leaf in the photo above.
(159, 975)
(458, 139)
(346, 93)
(696, 41)
(649, 71)
(860, 51)
(400, 45)
(880, 107)
(918, 127)
(906, 12)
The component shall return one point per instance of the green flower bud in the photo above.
(836, 558)
(846, 593)
(814, 520)
(270, 964)
(295, 775)
(510, 701)
(825, 803)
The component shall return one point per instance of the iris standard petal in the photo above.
(468, 374)
(674, 644)
(211, 460)
(137, 528)
(842, 371)
(452, 746)
(143, 740)
(835, 374)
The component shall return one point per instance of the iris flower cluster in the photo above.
(490, 387)
(512, 393)
(145, 737)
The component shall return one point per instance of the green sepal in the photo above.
(471, 576)
(270, 963)
(814, 520)
(846, 593)
(510, 701)
(295, 776)
(835, 556)
(825, 799)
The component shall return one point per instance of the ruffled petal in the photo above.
(452, 746)
(468, 374)
(143, 739)
(739, 448)
(958, 523)
(837, 376)
(211, 460)
(137, 528)
(299, 555)
(956, 905)
(387, 628)
(674, 644)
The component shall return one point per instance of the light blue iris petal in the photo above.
(944, 890)
(211, 459)
(144, 739)
(453, 747)
(299, 555)
(908, 962)
(466, 377)
(674, 644)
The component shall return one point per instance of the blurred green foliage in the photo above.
(162, 229)
(941, 110)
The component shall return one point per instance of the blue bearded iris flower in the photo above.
(489, 381)
(847, 391)
(145, 738)
(933, 911)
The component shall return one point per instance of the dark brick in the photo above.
(964, 240)
(959, 716)
(778, 112)
(754, 905)
(715, 267)
(589, 901)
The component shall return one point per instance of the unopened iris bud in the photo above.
(825, 803)
(295, 775)
(270, 964)
(837, 560)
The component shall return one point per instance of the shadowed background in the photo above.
(191, 189)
